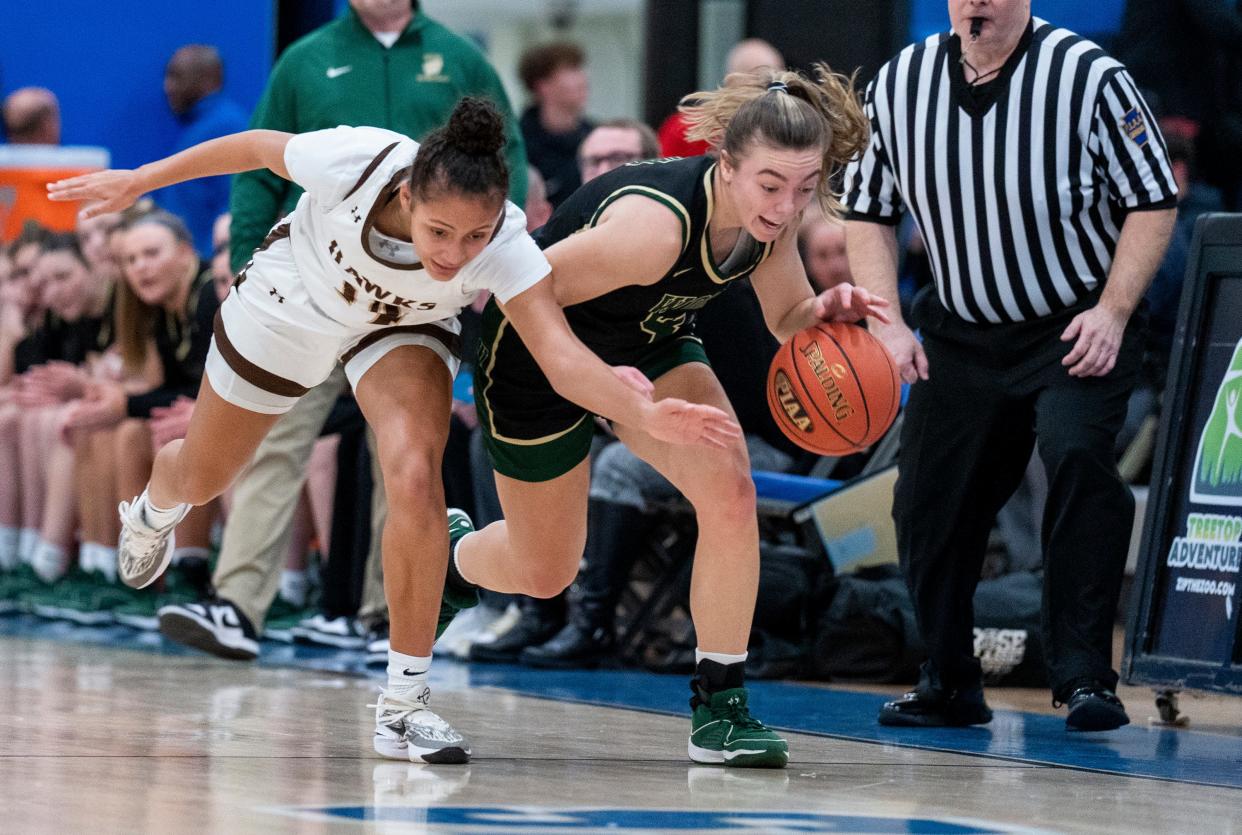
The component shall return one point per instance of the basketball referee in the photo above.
(1042, 189)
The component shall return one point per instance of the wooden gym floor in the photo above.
(100, 739)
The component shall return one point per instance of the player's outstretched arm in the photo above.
(791, 305)
(622, 395)
(117, 189)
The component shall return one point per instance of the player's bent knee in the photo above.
(728, 496)
(549, 580)
(548, 560)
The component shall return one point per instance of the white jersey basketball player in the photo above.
(390, 241)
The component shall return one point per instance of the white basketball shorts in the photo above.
(272, 344)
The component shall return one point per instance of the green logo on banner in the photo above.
(1218, 462)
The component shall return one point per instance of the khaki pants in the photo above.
(265, 496)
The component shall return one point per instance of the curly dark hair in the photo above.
(464, 156)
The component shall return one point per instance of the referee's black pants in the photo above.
(967, 435)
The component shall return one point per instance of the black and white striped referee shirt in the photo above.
(1020, 186)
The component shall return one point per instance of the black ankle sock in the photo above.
(712, 677)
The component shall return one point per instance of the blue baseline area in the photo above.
(516, 818)
(1134, 751)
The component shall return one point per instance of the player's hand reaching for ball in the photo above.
(681, 422)
(104, 191)
(847, 303)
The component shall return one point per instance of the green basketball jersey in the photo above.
(638, 315)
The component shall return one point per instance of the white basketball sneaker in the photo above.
(406, 728)
(143, 552)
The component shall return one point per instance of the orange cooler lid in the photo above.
(25, 171)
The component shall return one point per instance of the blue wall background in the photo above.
(105, 60)
(1097, 19)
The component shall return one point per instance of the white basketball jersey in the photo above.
(360, 277)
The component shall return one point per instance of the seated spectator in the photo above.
(165, 309)
(61, 348)
(614, 143)
(821, 243)
(745, 56)
(54, 367)
(95, 240)
(21, 312)
(22, 308)
(221, 271)
(554, 125)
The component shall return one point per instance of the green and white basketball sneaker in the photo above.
(454, 600)
(723, 732)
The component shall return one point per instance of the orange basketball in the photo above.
(834, 389)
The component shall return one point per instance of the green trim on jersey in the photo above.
(661, 197)
(710, 269)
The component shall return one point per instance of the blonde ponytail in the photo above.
(787, 110)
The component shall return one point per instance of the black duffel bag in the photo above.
(866, 629)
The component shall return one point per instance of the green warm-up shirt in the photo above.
(341, 74)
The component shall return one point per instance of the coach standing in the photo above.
(1040, 183)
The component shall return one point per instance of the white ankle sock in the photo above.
(406, 672)
(104, 560)
(10, 538)
(453, 556)
(86, 556)
(294, 586)
(718, 657)
(91, 556)
(27, 541)
(160, 518)
(48, 561)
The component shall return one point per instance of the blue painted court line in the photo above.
(1135, 751)
(510, 818)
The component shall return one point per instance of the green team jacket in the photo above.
(341, 75)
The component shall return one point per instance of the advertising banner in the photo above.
(1185, 627)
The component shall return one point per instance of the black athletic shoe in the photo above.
(930, 708)
(1093, 707)
(213, 625)
(531, 630)
(573, 647)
